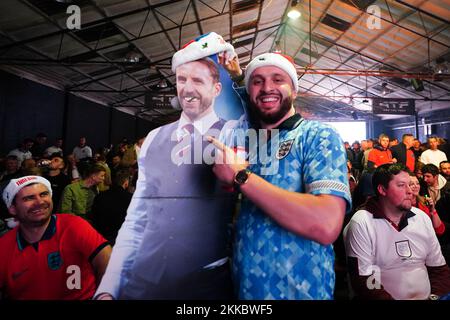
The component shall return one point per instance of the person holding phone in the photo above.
(426, 204)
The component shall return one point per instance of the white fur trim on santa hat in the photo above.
(15, 185)
(210, 44)
(275, 60)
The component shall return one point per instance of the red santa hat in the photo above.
(202, 47)
(15, 185)
(278, 60)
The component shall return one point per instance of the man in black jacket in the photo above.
(403, 153)
(110, 207)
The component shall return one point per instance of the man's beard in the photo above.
(271, 118)
(194, 113)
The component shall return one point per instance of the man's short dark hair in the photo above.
(88, 167)
(406, 135)
(96, 168)
(384, 174)
(58, 155)
(443, 162)
(121, 176)
(430, 168)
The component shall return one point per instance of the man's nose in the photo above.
(40, 200)
(268, 86)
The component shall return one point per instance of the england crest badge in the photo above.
(54, 260)
(403, 249)
(284, 149)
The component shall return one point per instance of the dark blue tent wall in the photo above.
(27, 108)
(88, 119)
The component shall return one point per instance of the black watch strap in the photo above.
(238, 79)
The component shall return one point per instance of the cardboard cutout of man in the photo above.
(174, 241)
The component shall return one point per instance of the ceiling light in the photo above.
(132, 56)
(384, 89)
(277, 48)
(363, 104)
(162, 84)
(441, 66)
(294, 12)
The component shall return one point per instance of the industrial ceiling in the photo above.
(346, 52)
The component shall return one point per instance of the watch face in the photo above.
(241, 177)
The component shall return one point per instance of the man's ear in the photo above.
(218, 88)
(12, 210)
(294, 93)
(381, 190)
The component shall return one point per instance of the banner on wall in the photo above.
(393, 106)
(158, 100)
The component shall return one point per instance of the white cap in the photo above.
(278, 60)
(202, 47)
(15, 185)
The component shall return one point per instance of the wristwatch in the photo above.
(241, 177)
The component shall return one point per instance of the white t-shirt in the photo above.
(51, 150)
(433, 156)
(80, 153)
(20, 155)
(400, 257)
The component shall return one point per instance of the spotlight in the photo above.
(162, 84)
(384, 89)
(441, 66)
(277, 48)
(294, 12)
(132, 55)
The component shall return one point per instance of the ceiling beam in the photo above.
(423, 11)
(89, 24)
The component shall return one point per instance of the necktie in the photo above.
(187, 131)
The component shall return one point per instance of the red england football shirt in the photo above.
(58, 267)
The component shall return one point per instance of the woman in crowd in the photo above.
(426, 204)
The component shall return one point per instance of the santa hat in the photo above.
(278, 60)
(15, 185)
(202, 47)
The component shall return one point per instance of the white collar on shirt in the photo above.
(202, 124)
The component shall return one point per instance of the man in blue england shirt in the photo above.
(294, 198)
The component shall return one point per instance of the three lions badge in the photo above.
(284, 149)
(54, 260)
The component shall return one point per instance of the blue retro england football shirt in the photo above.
(270, 262)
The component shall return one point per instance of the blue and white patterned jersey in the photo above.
(269, 261)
